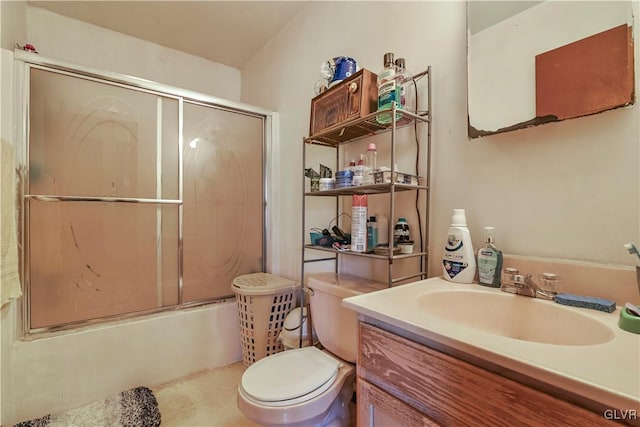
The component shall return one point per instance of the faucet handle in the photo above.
(509, 273)
(550, 283)
(508, 284)
(519, 280)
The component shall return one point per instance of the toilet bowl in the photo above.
(308, 386)
(299, 387)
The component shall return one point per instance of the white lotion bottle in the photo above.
(458, 260)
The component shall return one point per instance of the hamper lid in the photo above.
(262, 284)
(289, 374)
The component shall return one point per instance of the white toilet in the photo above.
(308, 386)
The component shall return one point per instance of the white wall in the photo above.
(59, 37)
(567, 190)
(13, 24)
(62, 371)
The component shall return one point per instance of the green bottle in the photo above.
(388, 90)
(489, 261)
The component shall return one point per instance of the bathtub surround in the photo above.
(62, 371)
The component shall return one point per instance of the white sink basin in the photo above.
(578, 350)
(515, 316)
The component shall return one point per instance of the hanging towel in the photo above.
(9, 277)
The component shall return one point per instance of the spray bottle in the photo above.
(359, 223)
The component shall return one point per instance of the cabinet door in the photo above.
(456, 393)
(377, 408)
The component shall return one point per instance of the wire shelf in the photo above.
(364, 127)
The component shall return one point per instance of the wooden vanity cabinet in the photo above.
(380, 409)
(404, 383)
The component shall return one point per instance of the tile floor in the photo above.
(207, 399)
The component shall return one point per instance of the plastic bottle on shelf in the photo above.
(370, 163)
(383, 229)
(352, 166)
(358, 173)
(458, 260)
(401, 233)
(359, 223)
(372, 233)
(388, 93)
(406, 86)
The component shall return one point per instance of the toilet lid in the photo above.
(289, 374)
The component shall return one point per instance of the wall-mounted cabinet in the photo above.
(366, 127)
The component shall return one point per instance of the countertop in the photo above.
(607, 374)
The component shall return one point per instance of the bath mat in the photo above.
(137, 407)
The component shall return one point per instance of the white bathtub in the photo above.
(63, 371)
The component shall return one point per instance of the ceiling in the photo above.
(227, 32)
(484, 14)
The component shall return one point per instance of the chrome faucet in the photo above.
(516, 283)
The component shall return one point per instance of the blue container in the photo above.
(346, 174)
(345, 67)
(344, 179)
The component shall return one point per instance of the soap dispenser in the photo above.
(489, 261)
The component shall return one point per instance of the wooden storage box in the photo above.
(350, 99)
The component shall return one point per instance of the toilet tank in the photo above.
(335, 325)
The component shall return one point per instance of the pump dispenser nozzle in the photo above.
(488, 234)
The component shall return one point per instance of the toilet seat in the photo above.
(289, 377)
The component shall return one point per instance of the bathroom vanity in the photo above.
(401, 382)
(417, 368)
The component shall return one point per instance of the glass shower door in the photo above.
(102, 200)
(122, 218)
(223, 200)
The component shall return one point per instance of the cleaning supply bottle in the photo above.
(383, 229)
(489, 261)
(458, 260)
(372, 233)
(388, 93)
(370, 163)
(359, 223)
(401, 233)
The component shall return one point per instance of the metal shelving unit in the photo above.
(356, 130)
